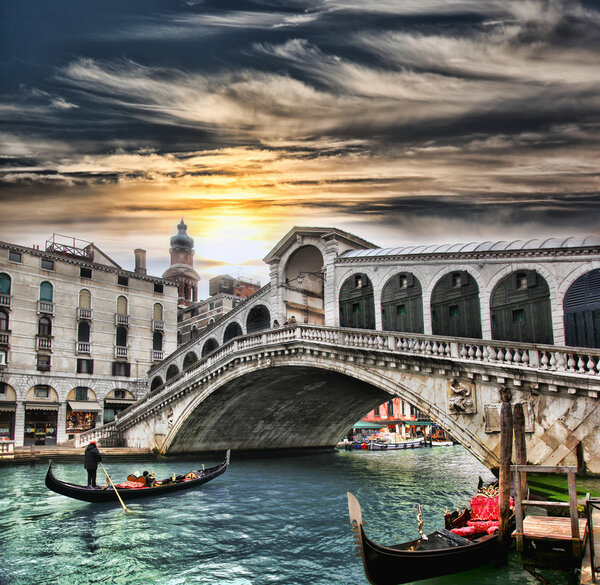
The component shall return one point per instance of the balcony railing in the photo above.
(5, 300)
(121, 319)
(158, 325)
(45, 307)
(120, 352)
(4, 337)
(83, 347)
(84, 313)
(43, 343)
(157, 356)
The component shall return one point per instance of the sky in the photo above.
(403, 122)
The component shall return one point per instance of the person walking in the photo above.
(90, 462)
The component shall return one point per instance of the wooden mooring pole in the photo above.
(506, 443)
(520, 445)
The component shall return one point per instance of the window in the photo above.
(43, 362)
(3, 321)
(158, 312)
(120, 394)
(456, 280)
(14, 256)
(47, 264)
(3, 389)
(194, 312)
(122, 280)
(356, 307)
(358, 281)
(85, 299)
(4, 284)
(44, 327)
(390, 408)
(85, 272)
(179, 338)
(211, 306)
(521, 280)
(41, 392)
(122, 305)
(453, 311)
(120, 369)
(85, 366)
(121, 337)
(403, 281)
(83, 332)
(81, 393)
(518, 316)
(157, 341)
(194, 333)
(376, 411)
(400, 310)
(158, 287)
(46, 292)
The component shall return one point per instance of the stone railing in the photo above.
(5, 300)
(45, 307)
(83, 313)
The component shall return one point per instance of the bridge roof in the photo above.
(489, 246)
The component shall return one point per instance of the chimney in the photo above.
(140, 261)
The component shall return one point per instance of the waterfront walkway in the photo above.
(64, 454)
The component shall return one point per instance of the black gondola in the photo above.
(441, 553)
(98, 495)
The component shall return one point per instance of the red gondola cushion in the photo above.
(483, 526)
(485, 508)
(131, 484)
(465, 532)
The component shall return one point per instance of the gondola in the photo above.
(168, 486)
(440, 553)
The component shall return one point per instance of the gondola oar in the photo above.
(125, 508)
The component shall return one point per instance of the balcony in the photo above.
(83, 347)
(45, 307)
(121, 319)
(158, 325)
(5, 301)
(4, 337)
(157, 356)
(121, 352)
(84, 314)
(43, 343)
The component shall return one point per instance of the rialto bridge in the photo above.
(343, 326)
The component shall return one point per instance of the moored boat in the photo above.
(392, 446)
(130, 491)
(443, 552)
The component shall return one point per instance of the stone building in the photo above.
(78, 334)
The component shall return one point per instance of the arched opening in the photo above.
(4, 284)
(189, 359)
(194, 333)
(232, 330)
(83, 332)
(304, 282)
(156, 382)
(357, 303)
(122, 305)
(46, 292)
(402, 304)
(172, 371)
(85, 299)
(209, 346)
(121, 337)
(3, 321)
(158, 312)
(157, 341)
(581, 308)
(44, 327)
(455, 306)
(520, 308)
(258, 319)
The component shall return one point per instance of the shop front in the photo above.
(7, 421)
(81, 416)
(41, 422)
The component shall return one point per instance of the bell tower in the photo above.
(182, 270)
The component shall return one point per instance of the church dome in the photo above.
(181, 239)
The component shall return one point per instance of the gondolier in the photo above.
(90, 461)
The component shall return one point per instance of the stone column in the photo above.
(61, 423)
(20, 424)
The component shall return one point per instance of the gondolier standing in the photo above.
(90, 462)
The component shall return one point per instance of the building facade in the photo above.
(78, 334)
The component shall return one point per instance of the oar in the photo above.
(125, 508)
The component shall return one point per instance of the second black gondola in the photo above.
(97, 495)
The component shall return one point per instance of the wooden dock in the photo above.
(63, 454)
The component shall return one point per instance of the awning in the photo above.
(41, 406)
(8, 406)
(363, 424)
(119, 401)
(84, 406)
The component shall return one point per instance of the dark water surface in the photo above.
(279, 520)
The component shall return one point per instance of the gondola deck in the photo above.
(98, 495)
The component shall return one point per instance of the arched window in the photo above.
(158, 312)
(4, 284)
(179, 338)
(258, 318)
(46, 292)
(357, 303)
(194, 333)
(156, 382)
(172, 371)
(232, 330)
(581, 307)
(3, 321)
(83, 332)
(209, 346)
(85, 299)
(122, 305)
(189, 359)
(121, 337)
(44, 327)
(157, 341)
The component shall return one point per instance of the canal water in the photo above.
(265, 521)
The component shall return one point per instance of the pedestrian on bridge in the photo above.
(90, 462)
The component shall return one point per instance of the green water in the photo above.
(265, 521)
